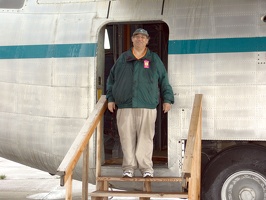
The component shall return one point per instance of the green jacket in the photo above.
(134, 83)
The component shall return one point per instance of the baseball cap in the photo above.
(141, 31)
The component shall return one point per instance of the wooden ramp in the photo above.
(191, 168)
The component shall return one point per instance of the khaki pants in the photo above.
(136, 127)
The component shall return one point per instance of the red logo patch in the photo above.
(146, 64)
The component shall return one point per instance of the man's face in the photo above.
(140, 40)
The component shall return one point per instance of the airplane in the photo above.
(55, 56)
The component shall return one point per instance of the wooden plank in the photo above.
(85, 173)
(100, 185)
(146, 188)
(99, 148)
(138, 194)
(187, 164)
(194, 182)
(71, 158)
(144, 198)
(141, 179)
(99, 155)
(69, 188)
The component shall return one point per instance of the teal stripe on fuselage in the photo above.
(220, 45)
(48, 51)
(199, 46)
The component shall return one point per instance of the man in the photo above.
(133, 85)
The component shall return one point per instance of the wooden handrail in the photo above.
(65, 170)
(191, 169)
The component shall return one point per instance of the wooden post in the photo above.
(100, 185)
(99, 150)
(146, 188)
(194, 180)
(85, 173)
(69, 188)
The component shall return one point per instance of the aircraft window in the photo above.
(11, 4)
(106, 40)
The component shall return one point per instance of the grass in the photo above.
(2, 177)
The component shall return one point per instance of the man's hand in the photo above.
(111, 106)
(166, 107)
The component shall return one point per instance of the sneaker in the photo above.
(127, 174)
(147, 175)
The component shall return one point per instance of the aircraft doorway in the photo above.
(120, 40)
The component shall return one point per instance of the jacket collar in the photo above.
(130, 57)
